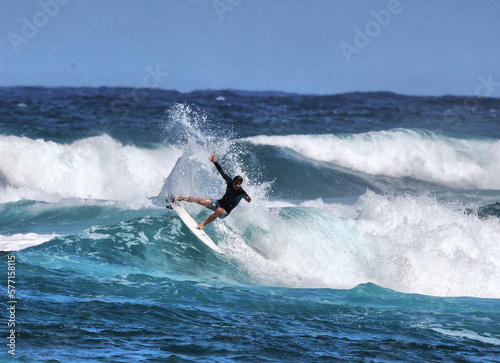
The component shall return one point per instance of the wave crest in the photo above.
(421, 155)
(95, 168)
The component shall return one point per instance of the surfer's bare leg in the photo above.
(202, 201)
(218, 212)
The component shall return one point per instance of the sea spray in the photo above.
(199, 137)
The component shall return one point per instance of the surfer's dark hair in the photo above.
(238, 179)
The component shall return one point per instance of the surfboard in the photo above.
(191, 224)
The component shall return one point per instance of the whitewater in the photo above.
(372, 237)
(453, 162)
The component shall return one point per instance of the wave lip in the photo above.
(402, 153)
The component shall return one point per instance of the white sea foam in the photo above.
(453, 162)
(418, 244)
(92, 168)
(412, 244)
(20, 241)
(467, 334)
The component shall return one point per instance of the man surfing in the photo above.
(223, 206)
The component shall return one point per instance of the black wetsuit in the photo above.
(232, 197)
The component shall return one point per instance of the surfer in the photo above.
(223, 206)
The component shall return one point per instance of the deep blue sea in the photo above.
(372, 236)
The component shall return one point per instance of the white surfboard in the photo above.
(191, 224)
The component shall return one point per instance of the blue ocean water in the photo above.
(372, 234)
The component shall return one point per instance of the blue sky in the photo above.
(305, 46)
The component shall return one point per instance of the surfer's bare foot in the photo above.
(200, 226)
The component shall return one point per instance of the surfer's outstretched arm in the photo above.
(213, 159)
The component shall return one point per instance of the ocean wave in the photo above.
(407, 243)
(91, 168)
(453, 162)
